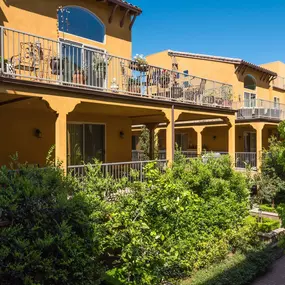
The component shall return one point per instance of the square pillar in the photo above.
(232, 138)
(61, 140)
(199, 131)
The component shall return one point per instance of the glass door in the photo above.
(249, 142)
(85, 142)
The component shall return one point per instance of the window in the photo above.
(249, 100)
(249, 82)
(85, 142)
(135, 142)
(81, 22)
(276, 103)
(182, 141)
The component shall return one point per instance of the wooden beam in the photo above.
(133, 21)
(124, 17)
(14, 101)
(112, 13)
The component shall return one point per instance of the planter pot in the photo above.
(139, 67)
(55, 66)
(79, 77)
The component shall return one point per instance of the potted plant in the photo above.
(79, 77)
(5, 67)
(139, 63)
(134, 85)
(164, 78)
(100, 64)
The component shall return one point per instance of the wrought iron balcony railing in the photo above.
(30, 57)
(258, 108)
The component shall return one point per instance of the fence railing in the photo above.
(258, 108)
(279, 82)
(244, 159)
(120, 170)
(30, 57)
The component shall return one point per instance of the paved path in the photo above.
(276, 276)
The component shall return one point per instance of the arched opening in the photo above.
(249, 82)
(81, 22)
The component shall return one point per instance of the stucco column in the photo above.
(151, 127)
(259, 128)
(232, 137)
(62, 106)
(199, 130)
(172, 116)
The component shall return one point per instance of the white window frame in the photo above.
(250, 100)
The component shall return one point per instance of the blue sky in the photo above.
(252, 30)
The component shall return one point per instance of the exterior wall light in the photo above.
(38, 133)
(214, 138)
(122, 134)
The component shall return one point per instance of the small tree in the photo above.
(144, 141)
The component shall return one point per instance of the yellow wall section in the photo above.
(40, 17)
(220, 71)
(17, 129)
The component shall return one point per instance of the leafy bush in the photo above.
(176, 222)
(267, 225)
(52, 233)
(267, 208)
(239, 269)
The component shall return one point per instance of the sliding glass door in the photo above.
(85, 142)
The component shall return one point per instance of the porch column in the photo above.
(199, 130)
(151, 127)
(62, 106)
(172, 116)
(259, 128)
(232, 138)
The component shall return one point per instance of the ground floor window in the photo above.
(85, 142)
(249, 141)
(182, 141)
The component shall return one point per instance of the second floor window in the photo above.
(249, 100)
(249, 82)
(82, 23)
(276, 103)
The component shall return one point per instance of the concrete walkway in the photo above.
(276, 275)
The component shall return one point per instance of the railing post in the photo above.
(2, 48)
(60, 63)
(141, 171)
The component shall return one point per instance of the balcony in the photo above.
(279, 82)
(30, 57)
(260, 109)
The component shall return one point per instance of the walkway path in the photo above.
(276, 276)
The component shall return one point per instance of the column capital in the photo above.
(151, 126)
(230, 120)
(168, 114)
(199, 129)
(61, 105)
(258, 126)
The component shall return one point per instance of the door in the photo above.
(85, 142)
(250, 142)
(84, 65)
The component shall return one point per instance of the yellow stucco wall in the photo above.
(17, 129)
(40, 17)
(217, 71)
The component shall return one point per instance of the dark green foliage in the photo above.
(52, 236)
(240, 269)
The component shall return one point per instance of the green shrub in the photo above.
(267, 208)
(240, 269)
(267, 225)
(177, 222)
(54, 233)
